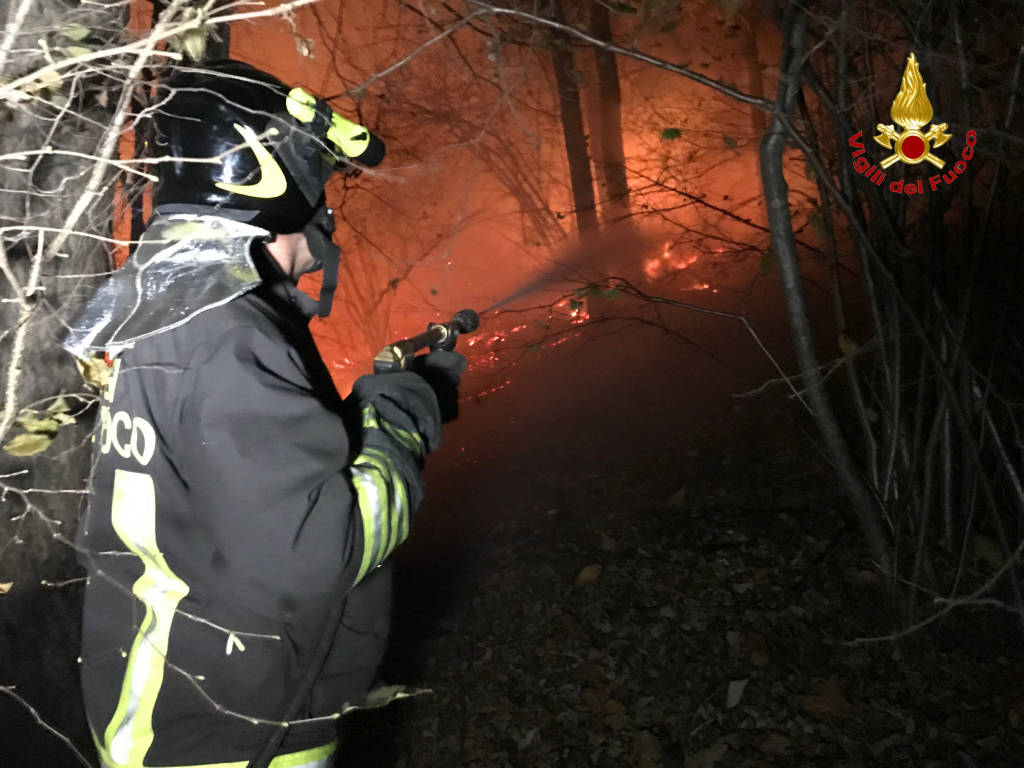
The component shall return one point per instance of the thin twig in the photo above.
(9, 690)
(11, 31)
(632, 290)
(27, 153)
(146, 47)
(566, 29)
(110, 139)
(64, 583)
(950, 603)
(14, 367)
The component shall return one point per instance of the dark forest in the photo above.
(736, 478)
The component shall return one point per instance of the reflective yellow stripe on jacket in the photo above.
(381, 492)
(129, 734)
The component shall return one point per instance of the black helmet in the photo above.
(250, 147)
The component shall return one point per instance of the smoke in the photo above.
(617, 253)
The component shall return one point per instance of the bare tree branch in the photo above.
(8, 690)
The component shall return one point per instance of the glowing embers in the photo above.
(485, 392)
(485, 355)
(494, 337)
(486, 341)
(667, 262)
(559, 341)
(577, 309)
(501, 349)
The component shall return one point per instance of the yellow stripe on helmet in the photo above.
(350, 139)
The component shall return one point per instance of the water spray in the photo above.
(585, 257)
(532, 286)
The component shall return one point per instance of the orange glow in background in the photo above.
(473, 201)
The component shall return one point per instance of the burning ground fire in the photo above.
(573, 310)
(667, 263)
(489, 350)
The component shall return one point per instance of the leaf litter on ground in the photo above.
(618, 637)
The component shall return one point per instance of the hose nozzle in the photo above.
(397, 356)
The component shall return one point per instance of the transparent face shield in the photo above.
(184, 265)
(321, 143)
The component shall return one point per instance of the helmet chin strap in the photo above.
(328, 255)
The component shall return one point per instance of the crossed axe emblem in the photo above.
(912, 146)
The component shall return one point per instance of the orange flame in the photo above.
(666, 262)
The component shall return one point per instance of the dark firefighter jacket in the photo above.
(239, 515)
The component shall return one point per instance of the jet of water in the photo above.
(588, 261)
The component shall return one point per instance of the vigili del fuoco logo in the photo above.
(911, 110)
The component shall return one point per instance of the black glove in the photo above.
(404, 399)
(442, 370)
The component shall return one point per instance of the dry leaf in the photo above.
(847, 345)
(384, 695)
(776, 744)
(28, 444)
(647, 750)
(615, 714)
(60, 405)
(30, 423)
(706, 758)
(48, 79)
(988, 551)
(95, 372)
(828, 699)
(74, 31)
(608, 544)
(756, 648)
(589, 574)
(678, 498)
(5, 587)
(191, 42)
(735, 692)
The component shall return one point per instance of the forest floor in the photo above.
(700, 608)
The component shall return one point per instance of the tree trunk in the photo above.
(783, 244)
(609, 155)
(572, 131)
(752, 22)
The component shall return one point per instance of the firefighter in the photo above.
(241, 514)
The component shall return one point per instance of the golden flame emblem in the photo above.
(911, 110)
(911, 107)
